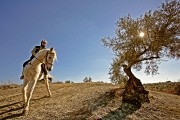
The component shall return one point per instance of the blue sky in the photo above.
(74, 28)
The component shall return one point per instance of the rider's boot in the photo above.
(22, 76)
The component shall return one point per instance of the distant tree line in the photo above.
(69, 81)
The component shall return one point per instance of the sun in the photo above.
(141, 34)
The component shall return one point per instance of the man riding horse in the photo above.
(35, 50)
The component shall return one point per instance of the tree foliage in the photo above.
(86, 79)
(161, 40)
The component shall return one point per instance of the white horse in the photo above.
(32, 72)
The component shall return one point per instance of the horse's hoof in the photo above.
(24, 112)
(49, 96)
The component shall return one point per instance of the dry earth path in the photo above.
(91, 101)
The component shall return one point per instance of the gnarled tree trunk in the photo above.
(134, 91)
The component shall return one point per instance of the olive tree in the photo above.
(144, 41)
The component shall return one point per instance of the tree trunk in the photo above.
(134, 91)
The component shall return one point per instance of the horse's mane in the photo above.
(46, 50)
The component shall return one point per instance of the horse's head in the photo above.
(50, 58)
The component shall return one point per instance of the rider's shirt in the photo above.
(36, 49)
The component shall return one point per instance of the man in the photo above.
(35, 50)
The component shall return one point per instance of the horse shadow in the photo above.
(14, 110)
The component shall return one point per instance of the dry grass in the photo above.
(85, 101)
(167, 87)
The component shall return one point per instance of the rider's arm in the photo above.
(33, 51)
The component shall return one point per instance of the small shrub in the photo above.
(69, 81)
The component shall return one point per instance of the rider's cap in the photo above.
(44, 41)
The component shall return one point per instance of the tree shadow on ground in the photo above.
(13, 110)
(122, 112)
(126, 108)
(91, 105)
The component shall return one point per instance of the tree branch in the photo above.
(150, 58)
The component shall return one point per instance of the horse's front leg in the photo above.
(31, 86)
(24, 91)
(47, 85)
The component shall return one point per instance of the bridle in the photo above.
(46, 61)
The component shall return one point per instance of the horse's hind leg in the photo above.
(47, 85)
(29, 94)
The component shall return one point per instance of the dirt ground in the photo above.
(91, 101)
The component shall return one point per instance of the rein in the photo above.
(43, 59)
(38, 59)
